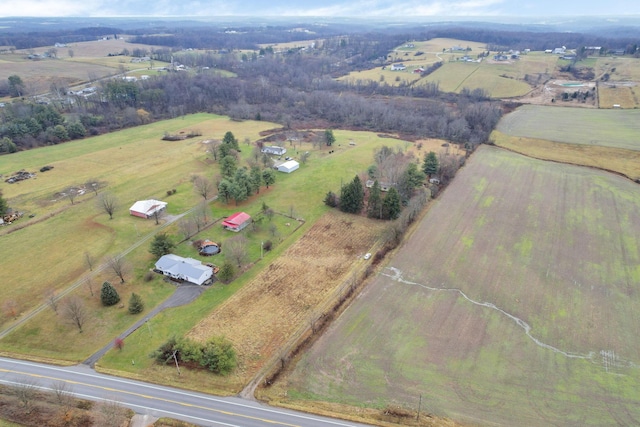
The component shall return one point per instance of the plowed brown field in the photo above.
(260, 318)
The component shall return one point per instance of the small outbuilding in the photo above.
(237, 221)
(187, 269)
(147, 208)
(288, 166)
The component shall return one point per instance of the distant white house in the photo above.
(147, 208)
(288, 166)
(187, 269)
(278, 151)
(398, 67)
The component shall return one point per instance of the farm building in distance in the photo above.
(398, 67)
(237, 221)
(288, 166)
(187, 269)
(278, 151)
(147, 208)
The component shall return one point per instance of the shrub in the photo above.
(267, 245)
(108, 295)
(148, 276)
(226, 273)
(217, 355)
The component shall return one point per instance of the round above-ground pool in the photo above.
(209, 248)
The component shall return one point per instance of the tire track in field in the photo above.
(396, 275)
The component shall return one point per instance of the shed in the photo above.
(288, 166)
(237, 221)
(147, 208)
(187, 269)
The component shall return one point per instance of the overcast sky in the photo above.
(327, 8)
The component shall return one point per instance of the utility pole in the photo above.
(176, 360)
(419, 405)
(261, 249)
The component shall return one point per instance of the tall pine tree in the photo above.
(391, 206)
(374, 205)
(430, 164)
(352, 196)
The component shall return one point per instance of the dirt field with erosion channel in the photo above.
(514, 302)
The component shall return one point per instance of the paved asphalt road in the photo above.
(160, 401)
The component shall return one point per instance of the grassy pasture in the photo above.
(454, 76)
(134, 163)
(525, 240)
(625, 162)
(626, 69)
(625, 96)
(89, 61)
(606, 128)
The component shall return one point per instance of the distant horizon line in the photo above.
(361, 17)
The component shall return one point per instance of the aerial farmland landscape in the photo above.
(286, 221)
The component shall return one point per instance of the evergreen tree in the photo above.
(224, 190)
(230, 141)
(374, 206)
(135, 304)
(269, 177)
(228, 166)
(391, 206)
(256, 179)
(352, 196)
(226, 273)
(430, 164)
(4, 206)
(410, 179)
(331, 199)
(161, 245)
(108, 295)
(329, 138)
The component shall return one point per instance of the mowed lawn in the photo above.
(617, 128)
(514, 302)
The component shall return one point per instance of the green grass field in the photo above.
(514, 302)
(607, 128)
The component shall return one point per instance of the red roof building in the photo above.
(237, 221)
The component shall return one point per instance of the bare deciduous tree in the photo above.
(119, 266)
(110, 413)
(108, 203)
(51, 299)
(88, 282)
(187, 227)
(88, 260)
(64, 393)
(158, 214)
(203, 186)
(213, 149)
(70, 193)
(236, 249)
(93, 185)
(75, 312)
(26, 392)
